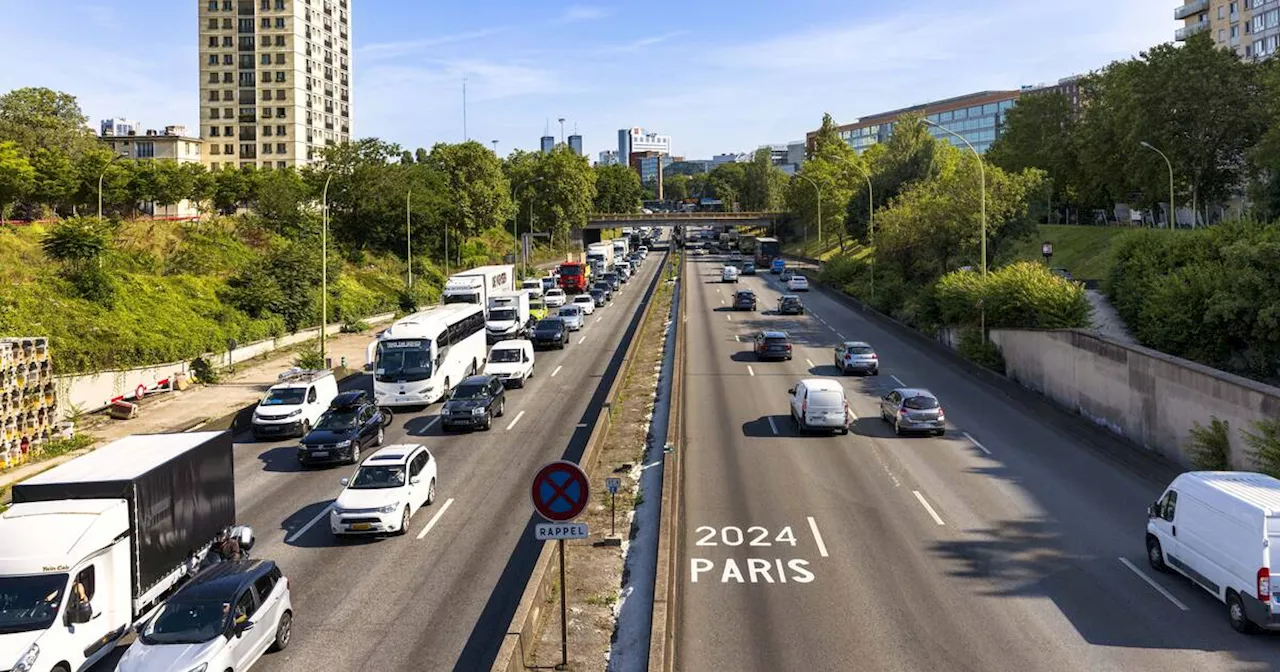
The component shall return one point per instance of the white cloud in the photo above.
(391, 50)
(576, 13)
(638, 44)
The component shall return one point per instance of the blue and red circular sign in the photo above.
(560, 491)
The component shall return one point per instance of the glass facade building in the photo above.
(977, 117)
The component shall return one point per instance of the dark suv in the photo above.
(475, 402)
(772, 345)
(351, 423)
(789, 304)
(744, 299)
(614, 280)
(550, 333)
(605, 287)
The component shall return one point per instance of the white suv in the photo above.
(390, 486)
(555, 297)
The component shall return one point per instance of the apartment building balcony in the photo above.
(1185, 33)
(1190, 9)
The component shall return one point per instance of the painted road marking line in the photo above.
(303, 530)
(553, 373)
(841, 336)
(735, 337)
(975, 442)
(897, 380)
(436, 518)
(809, 362)
(751, 370)
(1153, 584)
(599, 318)
(581, 425)
(817, 536)
(730, 317)
(773, 426)
(923, 502)
(431, 424)
(580, 340)
(513, 422)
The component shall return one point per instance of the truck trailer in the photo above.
(478, 284)
(124, 525)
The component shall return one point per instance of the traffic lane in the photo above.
(842, 531)
(1069, 499)
(412, 605)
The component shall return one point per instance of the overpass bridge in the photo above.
(683, 219)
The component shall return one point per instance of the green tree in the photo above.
(232, 188)
(56, 179)
(202, 184)
(280, 201)
(727, 183)
(478, 195)
(762, 183)
(566, 193)
(675, 187)
(39, 117)
(826, 140)
(618, 188)
(76, 242)
(17, 177)
(116, 179)
(1040, 132)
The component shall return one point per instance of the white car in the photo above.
(555, 297)
(573, 317)
(644, 251)
(585, 302)
(819, 403)
(798, 283)
(388, 488)
(729, 274)
(511, 362)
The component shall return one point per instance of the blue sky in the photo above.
(717, 75)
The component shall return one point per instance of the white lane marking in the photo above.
(599, 318)
(809, 362)
(975, 442)
(819, 318)
(436, 518)
(580, 340)
(773, 426)
(431, 424)
(817, 536)
(553, 373)
(735, 337)
(513, 422)
(840, 336)
(730, 317)
(1153, 584)
(923, 502)
(751, 370)
(302, 530)
(897, 380)
(581, 425)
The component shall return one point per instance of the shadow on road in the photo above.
(280, 459)
(423, 425)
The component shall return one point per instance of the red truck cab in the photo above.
(573, 277)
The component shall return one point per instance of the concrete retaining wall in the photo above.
(93, 391)
(1151, 398)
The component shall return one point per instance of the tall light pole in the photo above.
(324, 267)
(818, 191)
(1173, 217)
(495, 146)
(114, 158)
(871, 220)
(982, 173)
(516, 216)
(562, 130)
(408, 234)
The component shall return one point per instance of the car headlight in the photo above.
(200, 668)
(390, 508)
(294, 413)
(343, 444)
(28, 659)
(477, 411)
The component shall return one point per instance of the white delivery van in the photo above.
(511, 362)
(294, 404)
(1216, 528)
(508, 316)
(819, 404)
(534, 285)
(478, 284)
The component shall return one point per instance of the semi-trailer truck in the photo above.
(91, 547)
(478, 284)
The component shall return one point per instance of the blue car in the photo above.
(778, 266)
(748, 268)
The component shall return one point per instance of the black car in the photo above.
(598, 295)
(352, 422)
(744, 299)
(604, 287)
(790, 304)
(475, 402)
(614, 280)
(772, 345)
(551, 332)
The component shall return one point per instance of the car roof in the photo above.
(822, 384)
(745, 291)
(580, 296)
(773, 334)
(789, 296)
(915, 392)
(221, 582)
(856, 344)
(399, 453)
(480, 379)
(513, 344)
(352, 398)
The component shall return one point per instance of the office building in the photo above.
(1069, 87)
(173, 144)
(1250, 28)
(547, 143)
(977, 117)
(608, 157)
(796, 153)
(575, 144)
(687, 167)
(634, 140)
(118, 126)
(647, 165)
(275, 80)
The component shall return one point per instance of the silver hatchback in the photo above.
(913, 410)
(857, 357)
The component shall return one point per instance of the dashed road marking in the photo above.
(975, 442)
(925, 503)
(897, 380)
(436, 518)
(809, 362)
(730, 317)
(817, 536)
(1153, 584)
(840, 336)
(773, 426)
(581, 340)
(751, 370)
(553, 373)
(302, 530)
(517, 419)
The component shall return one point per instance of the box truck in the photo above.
(478, 284)
(91, 547)
(600, 257)
(508, 316)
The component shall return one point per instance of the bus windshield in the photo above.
(406, 361)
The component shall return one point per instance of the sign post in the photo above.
(560, 494)
(1047, 250)
(612, 484)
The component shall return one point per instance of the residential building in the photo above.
(796, 153)
(119, 126)
(633, 140)
(977, 117)
(275, 80)
(1250, 28)
(1069, 87)
(547, 143)
(786, 156)
(575, 144)
(608, 157)
(173, 144)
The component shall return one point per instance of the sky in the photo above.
(718, 76)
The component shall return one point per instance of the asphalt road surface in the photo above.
(1011, 543)
(434, 599)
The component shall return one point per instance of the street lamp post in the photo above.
(408, 233)
(982, 172)
(324, 268)
(515, 215)
(1173, 216)
(871, 220)
(114, 158)
(818, 191)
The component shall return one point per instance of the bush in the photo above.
(980, 351)
(1264, 446)
(203, 371)
(1210, 447)
(354, 327)
(309, 359)
(1023, 295)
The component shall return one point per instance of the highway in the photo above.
(1012, 543)
(440, 597)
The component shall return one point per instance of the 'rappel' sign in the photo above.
(560, 491)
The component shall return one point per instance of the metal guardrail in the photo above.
(605, 220)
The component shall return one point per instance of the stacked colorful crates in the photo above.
(28, 399)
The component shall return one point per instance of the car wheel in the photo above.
(355, 453)
(897, 428)
(875, 372)
(284, 632)
(1155, 555)
(939, 432)
(382, 436)
(844, 431)
(404, 522)
(488, 422)
(502, 407)
(431, 492)
(1236, 614)
(306, 427)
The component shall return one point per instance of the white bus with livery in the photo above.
(418, 360)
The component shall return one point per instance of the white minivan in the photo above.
(819, 404)
(1216, 528)
(294, 404)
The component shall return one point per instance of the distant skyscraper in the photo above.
(632, 140)
(548, 143)
(119, 127)
(608, 157)
(575, 144)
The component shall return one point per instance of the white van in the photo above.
(1216, 528)
(819, 403)
(294, 403)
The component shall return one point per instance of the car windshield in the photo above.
(465, 392)
(338, 419)
(374, 478)
(182, 621)
(556, 292)
(502, 314)
(746, 295)
(505, 356)
(920, 403)
(582, 298)
(550, 324)
(568, 312)
(30, 603)
(289, 396)
(798, 278)
(860, 350)
(610, 276)
(790, 300)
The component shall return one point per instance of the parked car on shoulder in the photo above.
(353, 422)
(511, 362)
(819, 403)
(772, 345)
(474, 403)
(790, 304)
(744, 299)
(911, 409)
(857, 357)
(388, 488)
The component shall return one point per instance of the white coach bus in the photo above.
(420, 358)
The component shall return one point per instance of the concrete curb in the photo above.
(530, 613)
